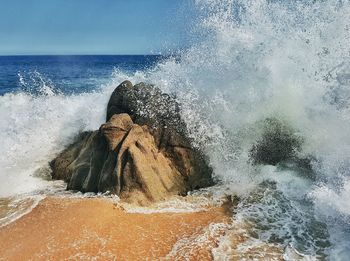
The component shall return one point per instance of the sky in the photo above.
(91, 26)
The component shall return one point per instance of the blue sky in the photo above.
(91, 26)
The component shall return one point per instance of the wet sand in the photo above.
(95, 228)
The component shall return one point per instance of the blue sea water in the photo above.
(68, 73)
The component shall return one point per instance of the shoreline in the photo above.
(80, 228)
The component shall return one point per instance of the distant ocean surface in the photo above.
(68, 73)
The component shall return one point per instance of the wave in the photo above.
(286, 60)
(37, 124)
(14, 208)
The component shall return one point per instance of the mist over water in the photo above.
(249, 61)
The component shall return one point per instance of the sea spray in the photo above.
(289, 60)
(36, 126)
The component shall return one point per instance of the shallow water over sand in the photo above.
(64, 228)
(74, 226)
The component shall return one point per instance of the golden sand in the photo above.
(86, 229)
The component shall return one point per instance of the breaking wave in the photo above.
(285, 60)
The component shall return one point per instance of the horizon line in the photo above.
(83, 54)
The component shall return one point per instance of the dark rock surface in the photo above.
(281, 145)
(147, 105)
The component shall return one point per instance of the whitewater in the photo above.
(248, 61)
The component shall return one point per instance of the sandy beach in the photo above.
(98, 229)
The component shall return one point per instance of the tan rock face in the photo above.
(141, 163)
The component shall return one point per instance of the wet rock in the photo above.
(142, 153)
(147, 105)
(62, 164)
(279, 143)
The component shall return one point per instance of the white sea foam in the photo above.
(17, 207)
(331, 200)
(35, 127)
(176, 205)
(257, 59)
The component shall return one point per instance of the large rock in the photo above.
(147, 105)
(142, 153)
(279, 143)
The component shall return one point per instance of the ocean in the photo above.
(68, 74)
(252, 63)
